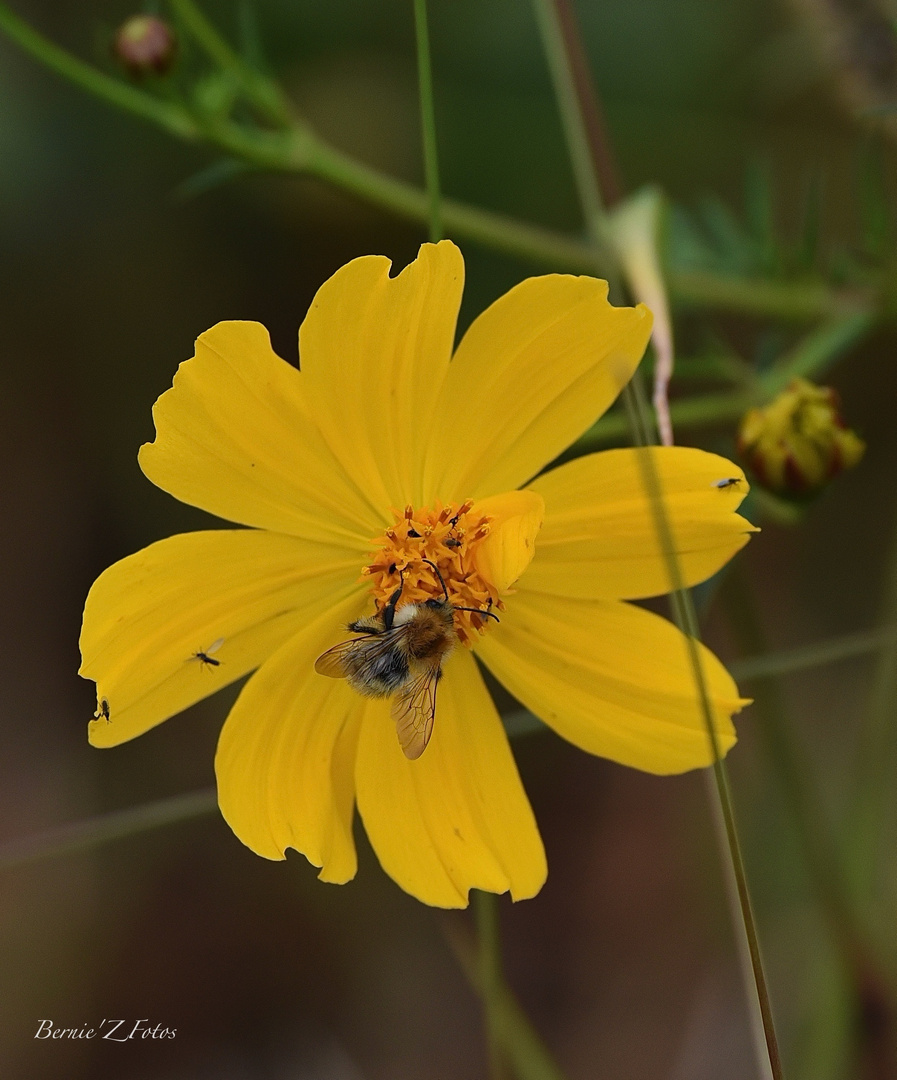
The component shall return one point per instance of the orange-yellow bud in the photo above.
(797, 443)
(145, 45)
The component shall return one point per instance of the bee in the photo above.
(103, 710)
(728, 482)
(205, 657)
(400, 652)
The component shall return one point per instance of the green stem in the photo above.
(171, 117)
(83, 835)
(490, 976)
(261, 91)
(766, 1054)
(524, 1050)
(792, 301)
(428, 120)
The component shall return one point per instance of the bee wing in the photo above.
(414, 710)
(349, 655)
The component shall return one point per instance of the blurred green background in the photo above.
(625, 961)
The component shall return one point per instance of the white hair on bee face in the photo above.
(406, 614)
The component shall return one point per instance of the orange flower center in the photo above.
(422, 541)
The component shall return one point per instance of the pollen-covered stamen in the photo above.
(444, 537)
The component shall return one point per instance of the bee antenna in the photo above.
(441, 582)
(478, 611)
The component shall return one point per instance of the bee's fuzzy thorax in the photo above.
(429, 630)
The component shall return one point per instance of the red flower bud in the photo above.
(145, 45)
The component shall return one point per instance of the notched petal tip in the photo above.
(458, 817)
(236, 435)
(445, 250)
(374, 352)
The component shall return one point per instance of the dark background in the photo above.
(625, 961)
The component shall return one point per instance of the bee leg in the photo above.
(389, 612)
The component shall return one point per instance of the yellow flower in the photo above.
(386, 449)
(799, 442)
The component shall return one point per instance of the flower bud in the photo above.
(797, 443)
(145, 45)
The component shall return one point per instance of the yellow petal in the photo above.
(509, 548)
(286, 756)
(457, 818)
(235, 436)
(149, 614)
(612, 678)
(374, 351)
(534, 371)
(599, 539)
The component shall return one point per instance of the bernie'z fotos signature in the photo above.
(113, 1030)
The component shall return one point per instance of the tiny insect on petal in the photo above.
(206, 657)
